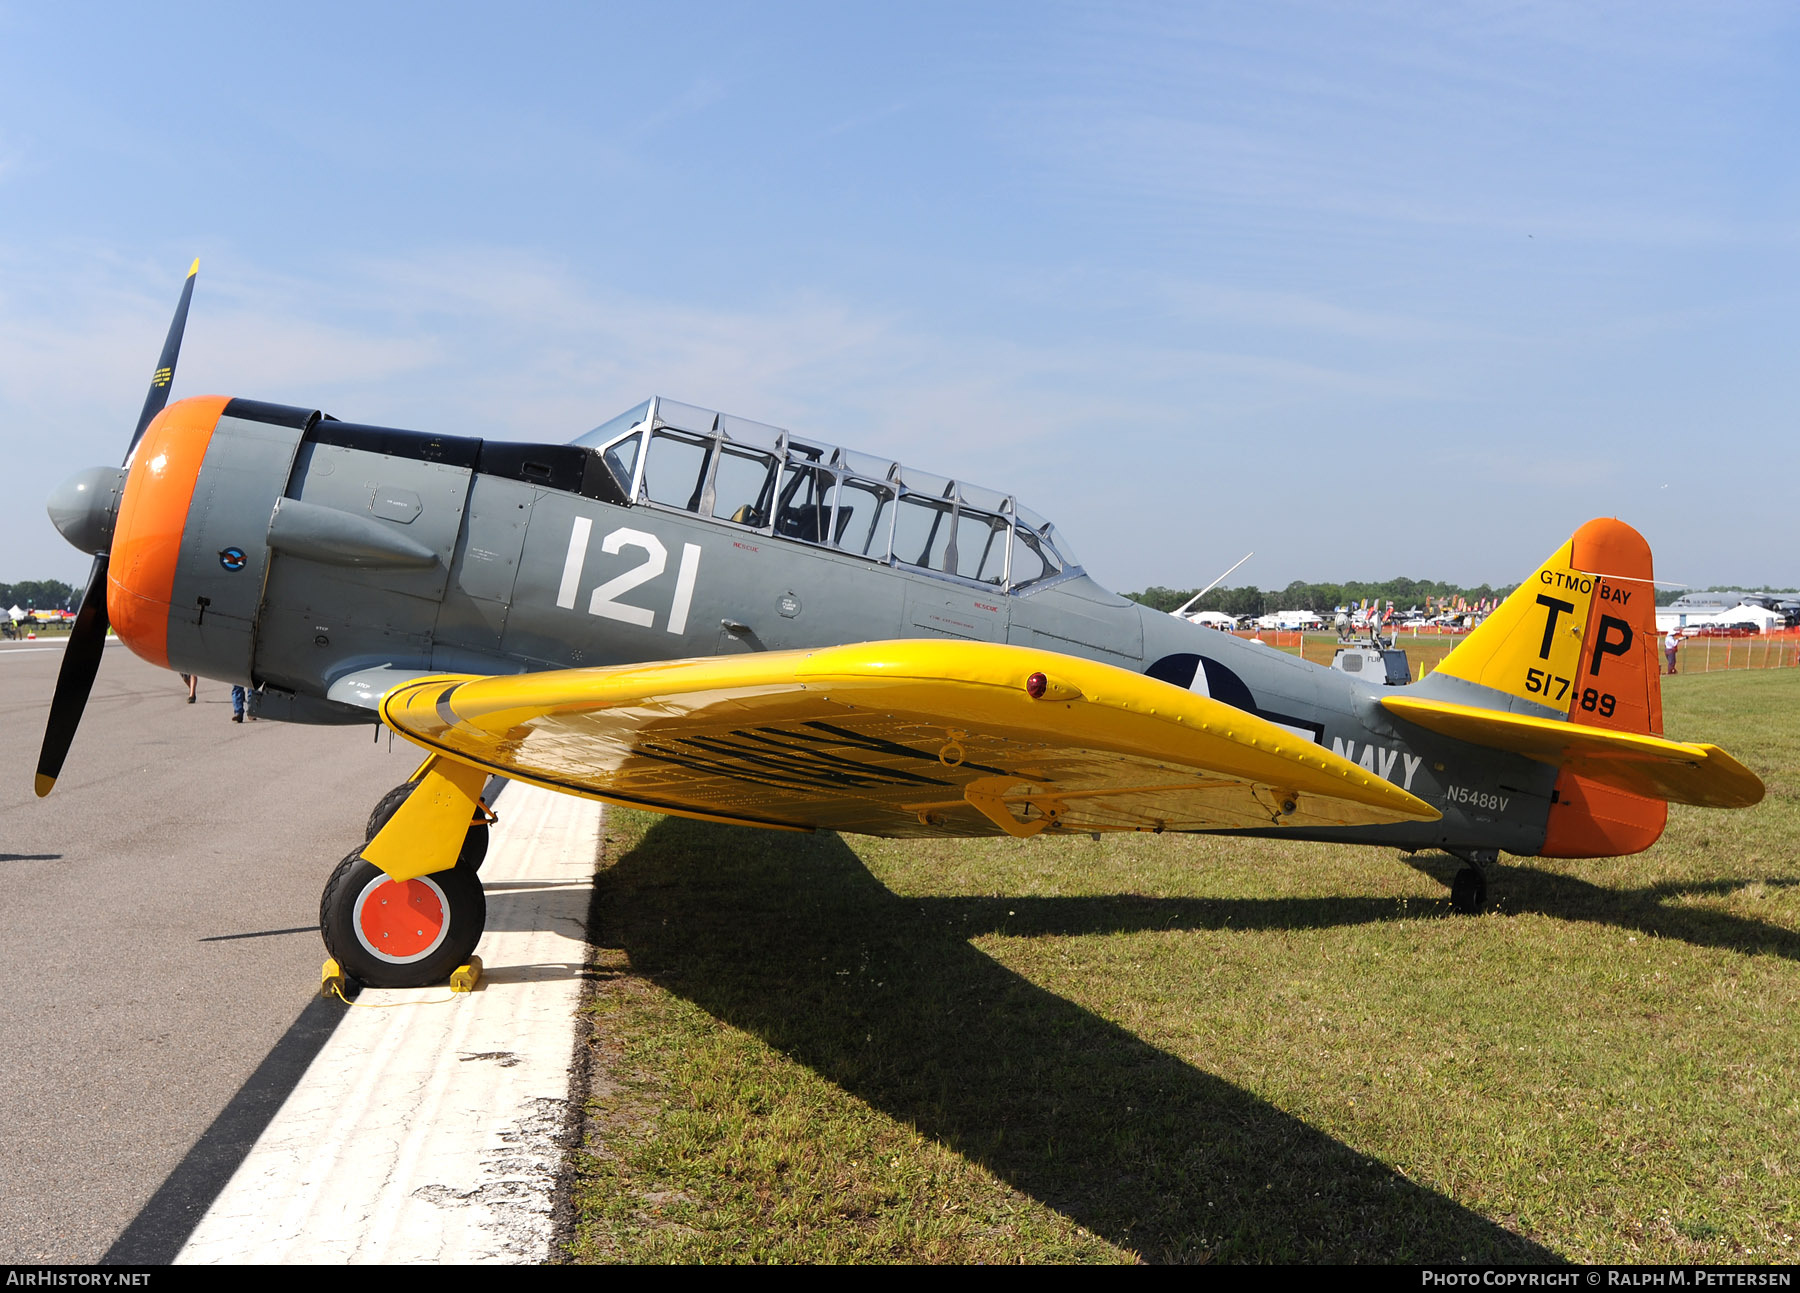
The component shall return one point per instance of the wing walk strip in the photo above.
(432, 1133)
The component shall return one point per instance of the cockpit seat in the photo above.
(800, 523)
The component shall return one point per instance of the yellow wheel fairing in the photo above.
(905, 738)
(426, 832)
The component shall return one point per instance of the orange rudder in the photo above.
(1619, 686)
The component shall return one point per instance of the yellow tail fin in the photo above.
(1579, 638)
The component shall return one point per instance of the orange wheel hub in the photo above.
(401, 922)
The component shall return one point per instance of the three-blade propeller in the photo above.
(87, 640)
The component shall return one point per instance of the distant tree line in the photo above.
(1321, 598)
(39, 595)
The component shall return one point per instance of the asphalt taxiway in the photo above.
(159, 916)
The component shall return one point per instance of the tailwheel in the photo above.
(475, 843)
(400, 934)
(1468, 892)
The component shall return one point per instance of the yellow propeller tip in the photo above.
(44, 784)
(194, 268)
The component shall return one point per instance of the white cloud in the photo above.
(1155, 458)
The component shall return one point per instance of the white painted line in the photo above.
(431, 1133)
(56, 644)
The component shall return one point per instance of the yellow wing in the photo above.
(896, 738)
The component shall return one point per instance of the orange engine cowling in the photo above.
(190, 547)
(146, 543)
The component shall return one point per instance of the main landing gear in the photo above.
(389, 933)
(475, 843)
(1468, 892)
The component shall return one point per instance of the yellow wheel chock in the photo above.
(466, 977)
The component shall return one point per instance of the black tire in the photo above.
(475, 843)
(474, 849)
(1468, 893)
(451, 903)
(389, 805)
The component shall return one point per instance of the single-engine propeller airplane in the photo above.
(696, 614)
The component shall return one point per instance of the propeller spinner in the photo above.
(84, 509)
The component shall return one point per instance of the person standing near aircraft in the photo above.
(1670, 645)
(240, 704)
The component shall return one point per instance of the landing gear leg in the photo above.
(1468, 892)
(475, 843)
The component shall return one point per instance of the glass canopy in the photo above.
(737, 472)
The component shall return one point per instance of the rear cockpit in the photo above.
(742, 473)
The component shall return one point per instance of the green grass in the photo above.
(1424, 651)
(814, 1048)
(1709, 654)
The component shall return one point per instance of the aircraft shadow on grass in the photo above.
(1518, 889)
(790, 938)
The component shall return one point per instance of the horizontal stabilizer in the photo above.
(1674, 771)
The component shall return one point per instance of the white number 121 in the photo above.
(605, 601)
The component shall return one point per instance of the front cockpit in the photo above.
(741, 473)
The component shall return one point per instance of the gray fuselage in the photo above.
(366, 556)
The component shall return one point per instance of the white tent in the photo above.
(15, 614)
(1290, 620)
(1747, 613)
(1212, 619)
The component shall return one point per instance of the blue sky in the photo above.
(1374, 290)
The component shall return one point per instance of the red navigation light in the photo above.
(1036, 686)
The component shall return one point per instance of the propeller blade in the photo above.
(81, 661)
(160, 380)
(87, 640)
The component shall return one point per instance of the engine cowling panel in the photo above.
(153, 513)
